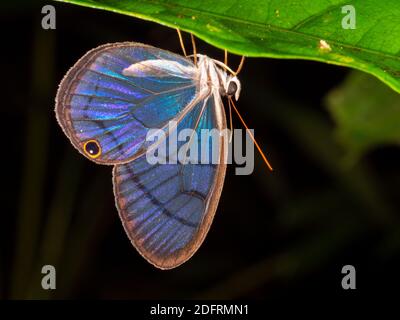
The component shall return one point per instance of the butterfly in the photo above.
(107, 103)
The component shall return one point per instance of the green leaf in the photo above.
(367, 114)
(295, 29)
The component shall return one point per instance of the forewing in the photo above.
(167, 209)
(115, 93)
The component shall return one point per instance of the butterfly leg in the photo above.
(240, 66)
(194, 49)
(181, 42)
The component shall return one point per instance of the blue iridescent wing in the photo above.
(104, 101)
(167, 209)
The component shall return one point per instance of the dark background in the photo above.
(280, 235)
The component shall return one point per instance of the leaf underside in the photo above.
(292, 29)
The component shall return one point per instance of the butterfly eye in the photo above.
(232, 88)
(92, 149)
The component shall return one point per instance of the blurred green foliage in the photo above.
(367, 114)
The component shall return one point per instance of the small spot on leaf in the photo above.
(324, 46)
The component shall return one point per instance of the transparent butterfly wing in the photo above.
(167, 209)
(97, 101)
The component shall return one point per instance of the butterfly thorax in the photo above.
(214, 77)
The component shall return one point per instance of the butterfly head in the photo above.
(232, 87)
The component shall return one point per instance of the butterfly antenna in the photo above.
(226, 57)
(181, 42)
(251, 136)
(194, 49)
(241, 64)
(230, 120)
